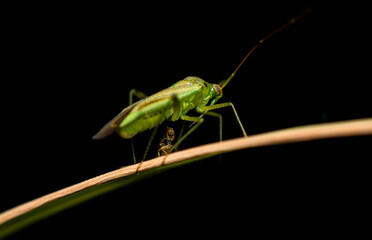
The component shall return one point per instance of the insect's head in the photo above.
(216, 93)
(170, 133)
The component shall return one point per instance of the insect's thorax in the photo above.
(192, 92)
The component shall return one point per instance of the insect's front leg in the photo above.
(222, 105)
(214, 114)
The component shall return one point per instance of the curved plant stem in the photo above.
(14, 218)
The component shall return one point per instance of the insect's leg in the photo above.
(140, 95)
(133, 152)
(214, 114)
(180, 133)
(147, 147)
(150, 141)
(222, 105)
(136, 93)
(162, 152)
(190, 119)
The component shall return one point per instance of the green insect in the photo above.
(170, 104)
(175, 103)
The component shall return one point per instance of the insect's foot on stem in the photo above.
(165, 157)
(139, 166)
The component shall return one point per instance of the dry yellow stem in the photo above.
(296, 134)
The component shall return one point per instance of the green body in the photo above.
(190, 93)
(175, 102)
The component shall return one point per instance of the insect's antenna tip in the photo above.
(290, 22)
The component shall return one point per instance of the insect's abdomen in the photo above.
(144, 120)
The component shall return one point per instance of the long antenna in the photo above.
(290, 22)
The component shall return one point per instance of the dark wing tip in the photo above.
(102, 134)
(111, 126)
(107, 130)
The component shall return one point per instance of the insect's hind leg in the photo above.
(136, 93)
(139, 95)
(147, 148)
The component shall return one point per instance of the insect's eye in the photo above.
(218, 89)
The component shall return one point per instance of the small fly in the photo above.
(165, 145)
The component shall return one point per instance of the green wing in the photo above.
(153, 110)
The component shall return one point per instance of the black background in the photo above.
(70, 69)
